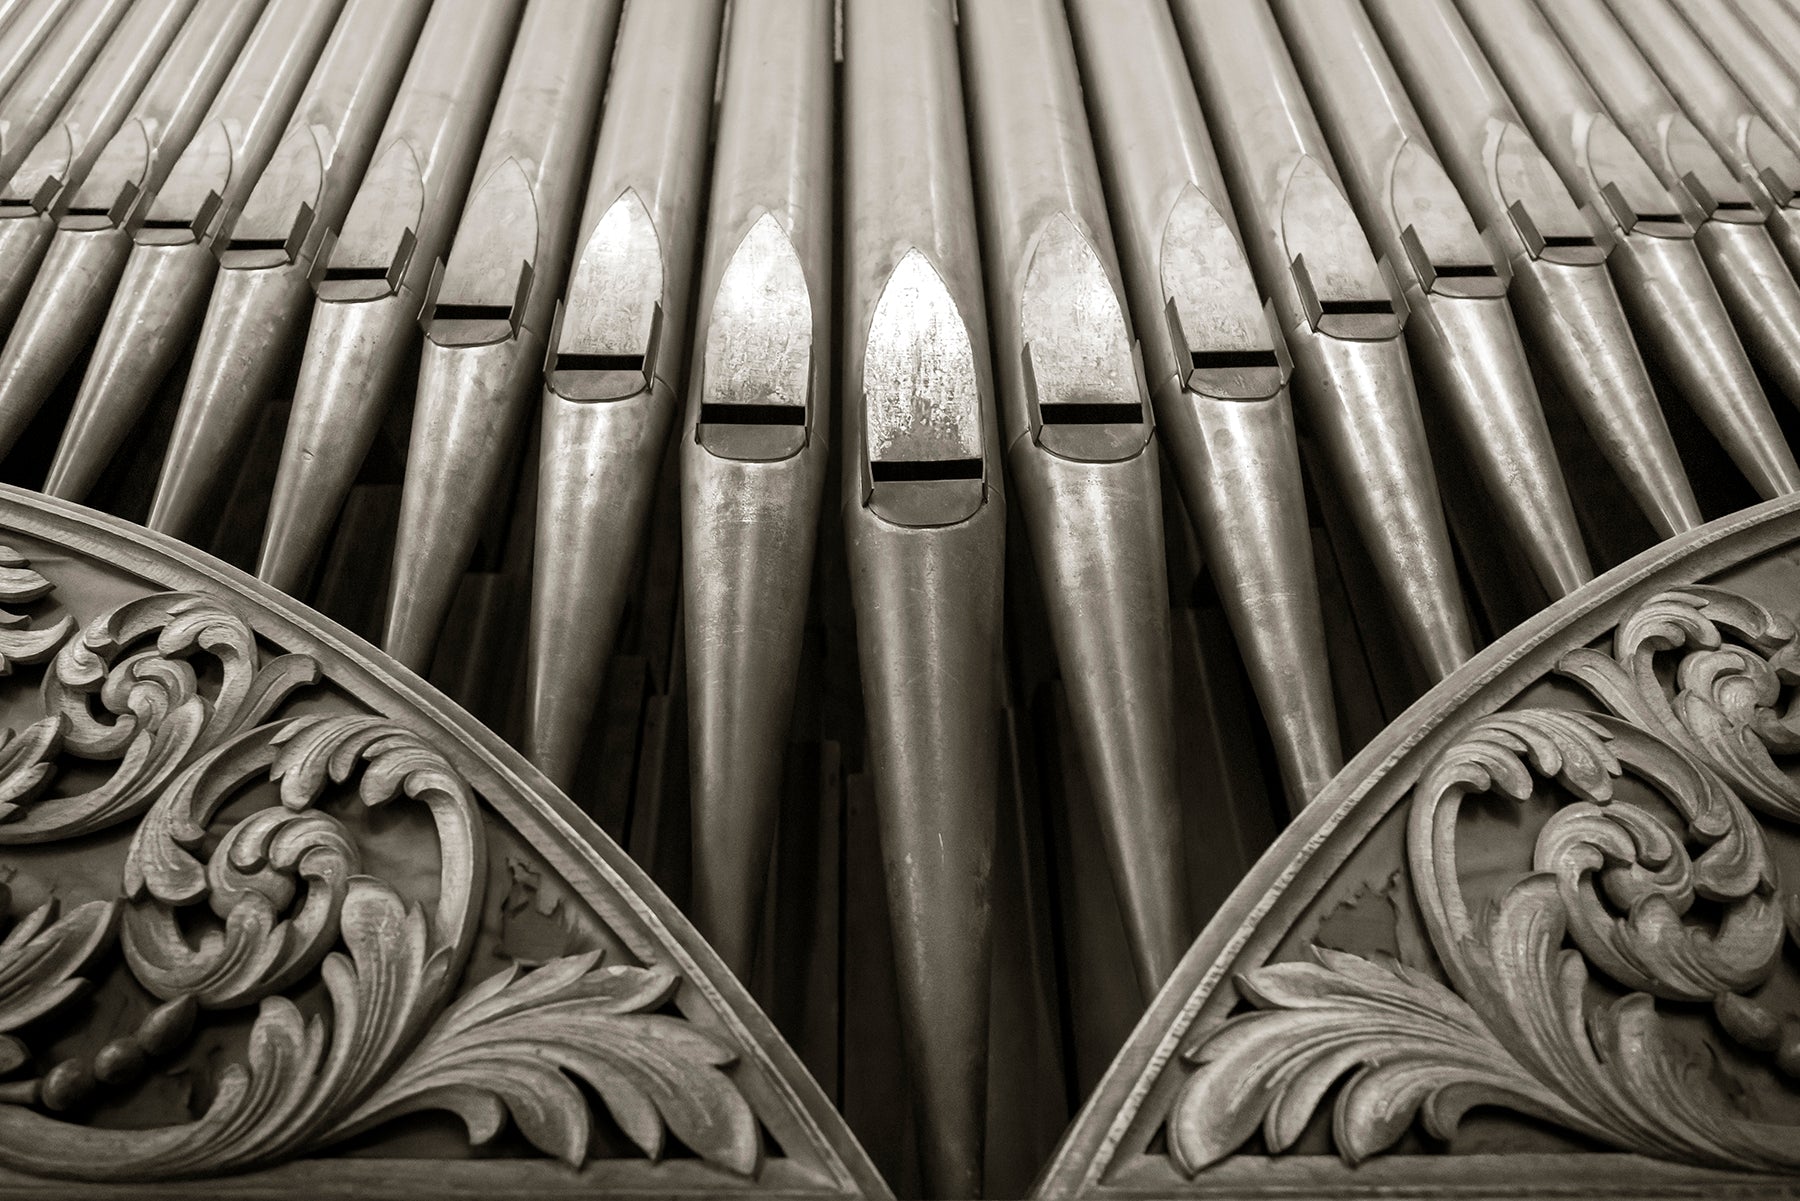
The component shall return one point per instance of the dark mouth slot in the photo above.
(471, 312)
(752, 414)
(1568, 240)
(1092, 414)
(885, 471)
(599, 362)
(1465, 271)
(160, 222)
(1735, 206)
(258, 244)
(87, 210)
(355, 273)
(1348, 308)
(1673, 218)
(1222, 359)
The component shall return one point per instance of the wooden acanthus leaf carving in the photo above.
(154, 719)
(310, 1083)
(288, 897)
(41, 959)
(1516, 1026)
(1728, 686)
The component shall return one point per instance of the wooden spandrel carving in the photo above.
(1543, 934)
(274, 910)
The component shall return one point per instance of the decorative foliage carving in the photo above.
(211, 919)
(1524, 1022)
(653, 1071)
(153, 719)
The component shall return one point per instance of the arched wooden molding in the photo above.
(282, 919)
(1543, 934)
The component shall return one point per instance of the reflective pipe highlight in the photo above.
(1657, 263)
(488, 309)
(370, 280)
(262, 292)
(129, 198)
(162, 294)
(1216, 368)
(754, 443)
(1460, 328)
(1341, 316)
(1758, 288)
(1081, 447)
(615, 363)
(925, 526)
(1767, 164)
(1561, 292)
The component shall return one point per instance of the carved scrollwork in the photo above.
(1615, 891)
(244, 880)
(153, 717)
(1738, 662)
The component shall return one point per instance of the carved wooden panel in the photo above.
(275, 912)
(1543, 934)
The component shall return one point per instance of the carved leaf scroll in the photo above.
(1614, 887)
(209, 919)
(508, 1042)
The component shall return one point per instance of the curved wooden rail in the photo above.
(283, 919)
(1536, 938)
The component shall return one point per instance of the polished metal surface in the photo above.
(1459, 329)
(488, 311)
(925, 524)
(616, 359)
(654, 376)
(1341, 317)
(1080, 443)
(262, 291)
(1656, 259)
(371, 278)
(1215, 364)
(1562, 293)
(754, 445)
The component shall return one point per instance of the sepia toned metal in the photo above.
(1215, 365)
(29, 25)
(263, 289)
(1460, 329)
(512, 334)
(1080, 442)
(1734, 237)
(1340, 314)
(93, 108)
(259, 195)
(1656, 258)
(754, 445)
(1767, 161)
(32, 103)
(488, 311)
(370, 278)
(925, 525)
(1561, 291)
(64, 153)
(616, 360)
(149, 216)
(161, 119)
